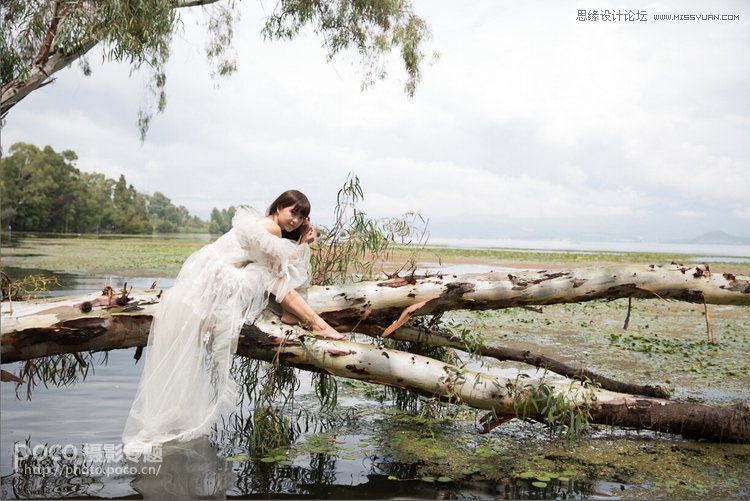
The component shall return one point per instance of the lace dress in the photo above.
(185, 385)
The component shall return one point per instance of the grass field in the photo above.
(162, 256)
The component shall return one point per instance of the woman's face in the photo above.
(288, 219)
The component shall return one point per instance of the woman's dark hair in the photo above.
(300, 206)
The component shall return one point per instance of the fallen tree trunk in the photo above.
(537, 360)
(29, 328)
(270, 340)
(383, 302)
(101, 323)
(63, 329)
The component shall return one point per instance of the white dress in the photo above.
(185, 385)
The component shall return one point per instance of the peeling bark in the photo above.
(446, 382)
(379, 303)
(93, 322)
(527, 357)
(370, 307)
(39, 76)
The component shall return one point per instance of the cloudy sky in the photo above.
(531, 124)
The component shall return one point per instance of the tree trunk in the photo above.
(32, 328)
(269, 340)
(53, 59)
(383, 302)
(93, 322)
(39, 76)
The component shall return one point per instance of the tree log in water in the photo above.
(69, 325)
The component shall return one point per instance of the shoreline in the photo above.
(162, 257)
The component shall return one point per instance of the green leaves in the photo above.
(42, 190)
(373, 28)
(565, 412)
(140, 32)
(356, 247)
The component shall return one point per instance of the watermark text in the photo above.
(89, 459)
(630, 16)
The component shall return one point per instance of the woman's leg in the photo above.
(296, 305)
(288, 317)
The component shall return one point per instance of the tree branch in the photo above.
(67, 325)
(39, 76)
(50, 36)
(527, 357)
(179, 4)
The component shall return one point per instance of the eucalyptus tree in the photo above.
(36, 187)
(41, 37)
(404, 309)
(42, 190)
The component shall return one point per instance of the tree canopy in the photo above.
(42, 190)
(41, 37)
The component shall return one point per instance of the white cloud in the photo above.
(686, 213)
(527, 114)
(447, 190)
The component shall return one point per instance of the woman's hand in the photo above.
(307, 232)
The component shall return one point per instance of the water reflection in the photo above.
(196, 470)
(217, 467)
(188, 470)
(200, 469)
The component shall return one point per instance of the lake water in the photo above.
(90, 415)
(701, 252)
(72, 436)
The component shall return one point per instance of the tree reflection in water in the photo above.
(256, 477)
(201, 469)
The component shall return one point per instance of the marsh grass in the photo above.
(665, 343)
(124, 256)
(163, 255)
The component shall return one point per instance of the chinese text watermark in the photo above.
(92, 459)
(628, 15)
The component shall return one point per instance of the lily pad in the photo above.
(427, 479)
(527, 474)
(286, 462)
(563, 479)
(241, 457)
(268, 459)
(470, 471)
(541, 485)
(445, 479)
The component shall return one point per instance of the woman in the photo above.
(186, 385)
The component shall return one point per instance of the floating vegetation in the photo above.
(665, 341)
(27, 287)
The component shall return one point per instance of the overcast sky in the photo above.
(531, 124)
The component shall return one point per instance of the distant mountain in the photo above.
(715, 238)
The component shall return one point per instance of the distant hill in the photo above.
(716, 238)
